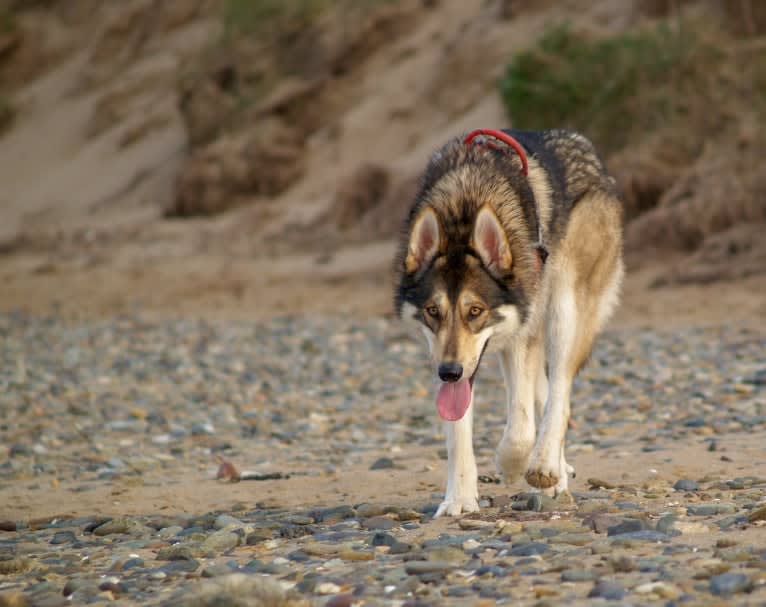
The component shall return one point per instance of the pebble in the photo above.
(382, 463)
(711, 509)
(424, 567)
(529, 549)
(628, 526)
(578, 575)
(607, 589)
(152, 398)
(686, 485)
(726, 584)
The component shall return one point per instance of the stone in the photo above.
(382, 463)
(224, 520)
(114, 526)
(382, 539)
(219, 542)
(710, 509)
(686, 485)
(661, 589)
(370, 510)
(382, 523)
(425, 567)
(607, 589)
(628, 526)
(757, 515)
(529, 549)
(727, 584)
(578, 575)
(177, 552)
(573, 539)
(63, 537)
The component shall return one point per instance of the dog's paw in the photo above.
(542, 479)
(455, 506)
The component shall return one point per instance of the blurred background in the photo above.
(255, 158)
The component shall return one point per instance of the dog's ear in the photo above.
(491, 243)
(424, 241)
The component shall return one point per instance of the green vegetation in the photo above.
(260, 17)
(614, 88)
(7, 21)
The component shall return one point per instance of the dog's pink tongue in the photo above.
(453, 399)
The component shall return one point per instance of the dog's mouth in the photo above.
(454, 398)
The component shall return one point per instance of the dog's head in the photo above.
(461, 292)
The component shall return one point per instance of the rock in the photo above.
(607, 589)
(219, 542)
(711, 509)
(628, 526)
(661, 589)
(382, 523)
(370, 510)
(727, 584)
(63, 537)
(622, 563)
(215, 570)
(8, 526)
(470, 524)
(382, 463)
(225, 520)
(573, 539)
(447, 554)
(686, 485)
(597, 483)
(114, 526)
(425, 567)
(178, 552)
(529, 549)
(382, 539)
(578, 575)
(757, 515)
(600, 523)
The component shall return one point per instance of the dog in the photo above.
(513, 246)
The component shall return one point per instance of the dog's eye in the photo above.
(432, 311)
(474, 312)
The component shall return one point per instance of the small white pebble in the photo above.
(327, 588)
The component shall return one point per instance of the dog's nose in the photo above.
(450, 371)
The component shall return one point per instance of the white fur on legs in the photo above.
(519, 363)
(545, 465)
(462, 493)
(564, 471)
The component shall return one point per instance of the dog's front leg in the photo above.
(462, 493)
(519, 364)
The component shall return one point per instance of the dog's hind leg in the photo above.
(462, 493)
(520, 364)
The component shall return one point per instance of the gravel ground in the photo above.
(328, 425)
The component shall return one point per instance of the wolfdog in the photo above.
(513, 246)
